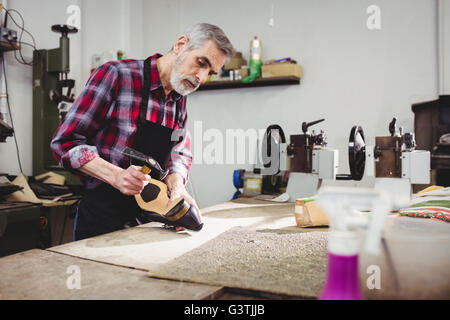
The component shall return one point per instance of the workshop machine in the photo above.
(296, 168)
(310, 162)
(19, 222)
(360, 157)
(398, 165)
(393, 161)
(5, 130)
(52, 91)
(269, 176)
(432, 129)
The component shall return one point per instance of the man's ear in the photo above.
(180, 44)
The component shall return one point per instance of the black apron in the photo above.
(105, 209)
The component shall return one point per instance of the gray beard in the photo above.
(177, 80)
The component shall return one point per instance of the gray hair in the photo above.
(199, 33)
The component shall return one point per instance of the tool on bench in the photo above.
(155, 196)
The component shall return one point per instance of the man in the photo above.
(138, 104)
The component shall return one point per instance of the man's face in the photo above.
(192, 68)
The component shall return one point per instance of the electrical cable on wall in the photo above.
(10, 114)
(20, 58)
(22, 30)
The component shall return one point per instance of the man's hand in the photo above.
(131, 181)
(177, 189)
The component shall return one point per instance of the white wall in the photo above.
(109, 26)
(351, 75)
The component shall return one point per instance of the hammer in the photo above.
(154, 197)
(149, 163)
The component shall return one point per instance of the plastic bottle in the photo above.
(344, 239)
(255, 64)
(255, 49)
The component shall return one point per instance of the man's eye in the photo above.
(201, 63)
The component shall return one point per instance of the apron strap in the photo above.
(145, 92)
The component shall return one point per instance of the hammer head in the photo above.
(147, 161)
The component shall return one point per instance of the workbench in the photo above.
(130, 263)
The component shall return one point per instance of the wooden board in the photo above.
(39, 274)
(148, 246)
(260, 82)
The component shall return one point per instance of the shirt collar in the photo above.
(156, 83)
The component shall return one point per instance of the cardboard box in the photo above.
(235, 62)
(243, 72)
(309, 214)
(281, 70)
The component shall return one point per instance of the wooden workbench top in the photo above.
(409, 268)
(40, 274)
(148, 246)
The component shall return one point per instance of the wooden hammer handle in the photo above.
(145, 170)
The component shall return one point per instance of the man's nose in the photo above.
(202, 76)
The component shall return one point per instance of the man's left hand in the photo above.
(177, 189)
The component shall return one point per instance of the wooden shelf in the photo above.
(260, 82)
(6, 46)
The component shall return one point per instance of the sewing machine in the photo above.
(310, 162)
(398, 165)
(394, 162)
(269, 175)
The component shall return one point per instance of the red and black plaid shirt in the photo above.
(103, 119)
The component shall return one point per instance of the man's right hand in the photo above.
(131, 181)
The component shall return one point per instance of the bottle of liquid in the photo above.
(255, 64)
(255, 49)
(341, 205)
(342, 271)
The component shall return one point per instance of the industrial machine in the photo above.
(52, 90)
(155, 196)
(296, 168)
(393, 161)
(360, 157)
(432, 129)
(269, 176)
(398, 164)
(310, 161)
(5, 131)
